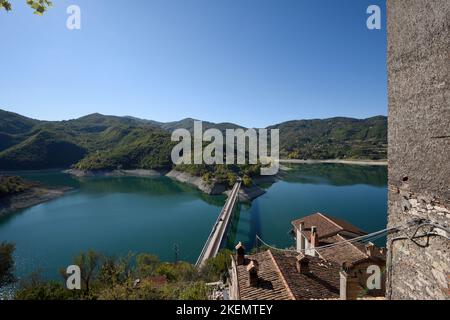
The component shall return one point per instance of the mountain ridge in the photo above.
(100, 141)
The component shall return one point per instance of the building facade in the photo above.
(418, 262)
(335, 240)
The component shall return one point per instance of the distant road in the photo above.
(357, 162)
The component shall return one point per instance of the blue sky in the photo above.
(252, 62)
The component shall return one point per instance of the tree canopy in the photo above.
(6, 264)
(39, 6)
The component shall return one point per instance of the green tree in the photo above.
(6, 264)
(39, 6)
(231, 177)
(89, 265)
(194, 291)
(217, 267)
(147, 264)
(114, 271)
(34, 288)
(247, 181)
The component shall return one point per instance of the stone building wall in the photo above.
(419, 147)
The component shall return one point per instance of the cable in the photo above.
(365, 238)
(421, 223)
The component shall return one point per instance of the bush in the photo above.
(6, 264)
(247, 181)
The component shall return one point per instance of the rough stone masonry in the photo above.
(419, 147)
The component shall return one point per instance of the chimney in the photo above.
(240, 254)
(302, 264)
(370, 249)
(300, 237)
(314, 239)
(252, 269)
(349, 288)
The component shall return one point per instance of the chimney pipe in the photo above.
(240, 254)
(300, 238)
(252, 269)
(302, 264)
(314, 239)
(370, 249)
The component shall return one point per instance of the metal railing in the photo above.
(217, 233)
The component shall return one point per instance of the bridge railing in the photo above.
(234, 193)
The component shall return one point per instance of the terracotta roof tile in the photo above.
(280, 280)
(346, 252)
(326, 225)
(271, 285)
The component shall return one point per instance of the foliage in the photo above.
(147, 264)
(143, 148)
(194, 291)
(99, 142)
(34, 288)
(221, 173)
(41, 150)
(6, 263)
(217, 267)
(11, 185)
(89, 264)
(39, 6)
(141, 277)
(247, 181)
(335, 138)
(94, 142)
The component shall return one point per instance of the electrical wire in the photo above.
(412, 238)
(369, 237)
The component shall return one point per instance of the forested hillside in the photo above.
(97, 142)
(334, 138)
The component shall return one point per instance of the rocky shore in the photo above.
(245, 194)
(211, 188)
(29, 198)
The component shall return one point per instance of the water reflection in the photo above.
(336, 174)
(357, 194)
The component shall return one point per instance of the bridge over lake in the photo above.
(219, 230)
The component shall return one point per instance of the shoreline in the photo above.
(337, 161)
(29, 198)
(144, 173)
(246, 194)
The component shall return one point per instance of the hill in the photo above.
(334, 138)
(96, 141)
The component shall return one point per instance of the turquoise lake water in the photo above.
(120, 215)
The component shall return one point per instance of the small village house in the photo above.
(323, 266)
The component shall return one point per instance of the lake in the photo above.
(116, 216)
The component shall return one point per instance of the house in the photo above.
(330, 238)
(317, 233)
(314, 271)
(274, 275)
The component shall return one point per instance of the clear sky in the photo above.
(252, 62)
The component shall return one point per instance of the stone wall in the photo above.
(419, 147)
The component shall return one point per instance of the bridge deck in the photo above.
(218, 232)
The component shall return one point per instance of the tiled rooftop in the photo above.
(326, 225)
(278, 278)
